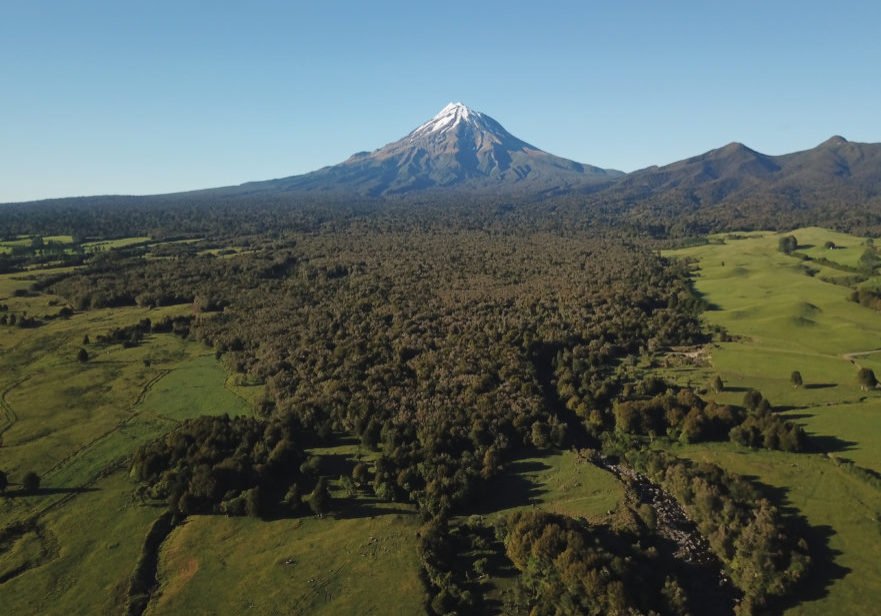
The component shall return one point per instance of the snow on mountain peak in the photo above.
(449, 117)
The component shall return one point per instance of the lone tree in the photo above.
(788, 244)
(866, 379)
(795, 379)
(319, 500)
(361, 475)
(4, 481)
(82, 355)
(31, 482)
(717, 385)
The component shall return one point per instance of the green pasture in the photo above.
(117, 243)
(80, 560)
(8, 246)
(554, 481)
(812, 242)
(75, 423)
(783, 320)
(345, 565)
(78, 538)
(192, 389)
(784, 317)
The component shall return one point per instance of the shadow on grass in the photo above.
(47, 491)
(510, 489)
(785, 408)
(355, 508)
(830, 444)
(336, 464)
(824, 570)
(797, 416)
(820, 385)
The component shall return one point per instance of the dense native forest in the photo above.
(448, 348)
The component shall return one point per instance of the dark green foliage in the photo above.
(752, 400)
(82, 355)
(759, 544)
(870, 260)
(717, 385)
(866, 378)
(4, 482)
(870, 298)
(320, 499)
(442, 348)
(768, 430)
(795, 379)
(788, 244)
(292, 498)
(221, 465)
(30, 483)
(361, 474)
(567, 567)
(682, 414)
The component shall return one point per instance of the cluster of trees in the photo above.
(235, 466)
(128, 336)
(569, 567)
(761, 546)
(680, 414)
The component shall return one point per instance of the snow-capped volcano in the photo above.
(452, 116)
(457, 148)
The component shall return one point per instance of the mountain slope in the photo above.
(459, 148)
(836, 169)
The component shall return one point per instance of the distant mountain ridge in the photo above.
(464, 156)
(458, 148)
(737, 172)
(466, 151)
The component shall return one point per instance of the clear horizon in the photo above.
(106, 98)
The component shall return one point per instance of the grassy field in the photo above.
(842, 511)
(554, 481)
(363, 565)
(117, 243)
(784, 318)
(74, 543)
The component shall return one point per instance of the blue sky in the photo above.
(137, 97)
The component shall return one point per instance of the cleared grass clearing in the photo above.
(191, 389)
(555, 481)
(217, 565)
(117, 243)
(847, 251)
